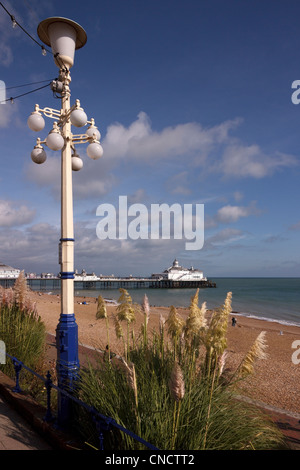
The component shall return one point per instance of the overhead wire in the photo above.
(44, 49)
(13, 19)
(11, 99)
(27, 84)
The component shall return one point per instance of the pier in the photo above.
(112, 283)
(175, 277)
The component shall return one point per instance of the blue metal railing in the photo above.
(103, 423)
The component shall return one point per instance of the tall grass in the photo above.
(169, 388)
(21, 328)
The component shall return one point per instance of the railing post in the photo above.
(101, 426)
(18, 367)
(48, 384)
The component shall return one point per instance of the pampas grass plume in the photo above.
(196, 320)
(257, 351)
(118, 327)
(174, 322)
(101, 308)
(125, 309)
(146, 308)
(176, 383)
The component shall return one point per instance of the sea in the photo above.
(271, 299)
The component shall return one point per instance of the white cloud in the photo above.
(250, 161)
(185, 147)
(127, 256)
(13, 213)
(228, 235)
(88, 185)
(33, 249)
(93, 180)
(9, 113)
(228, 214)
(46, 175)
(213, 149)
(139, 141)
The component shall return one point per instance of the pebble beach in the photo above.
(275, 381)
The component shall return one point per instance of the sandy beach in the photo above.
(276, 381)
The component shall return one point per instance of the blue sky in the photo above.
(193, 102)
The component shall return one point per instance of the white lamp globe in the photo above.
(94, 150)
(36, 122)
(93, 130)
(38, 155)
(55, 140)
(77, 163)
(78, 118)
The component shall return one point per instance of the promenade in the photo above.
(16, 433)
(22, 426)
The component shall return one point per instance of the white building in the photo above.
(7, 272)
(178, 273)
(84, 276)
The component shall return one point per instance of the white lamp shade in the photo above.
(77, 163)
(93, 130)
(38, 155)
(55, 141)
(78, 118)
(94, 150)
(64, 36)
(36, 122)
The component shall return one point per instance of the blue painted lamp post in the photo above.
(64, 36)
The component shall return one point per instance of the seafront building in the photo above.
(7, 272)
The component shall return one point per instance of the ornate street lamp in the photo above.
(64, 36)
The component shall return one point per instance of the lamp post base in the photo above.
(67, 364)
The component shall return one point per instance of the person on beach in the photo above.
(233, 321)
